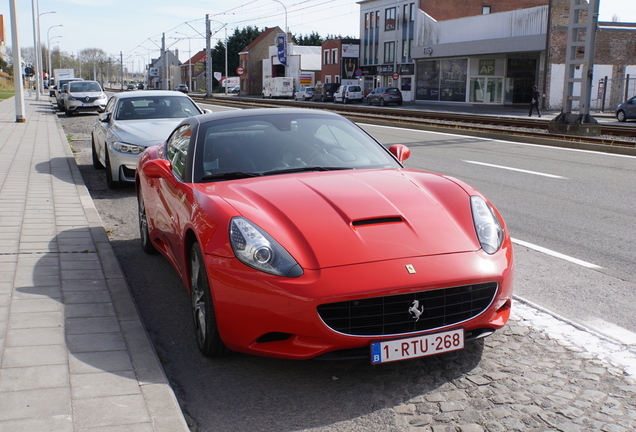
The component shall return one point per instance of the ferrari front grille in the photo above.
(408, 313)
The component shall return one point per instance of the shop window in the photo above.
(485, 10)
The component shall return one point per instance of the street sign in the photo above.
(395, 76)
(358, 72)
(240, 70)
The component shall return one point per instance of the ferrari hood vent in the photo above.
(377, 221)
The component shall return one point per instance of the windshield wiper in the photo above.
(305, 168)
(230, 175)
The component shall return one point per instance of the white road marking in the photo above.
(516, 169)
(599, 153)
(555, 254)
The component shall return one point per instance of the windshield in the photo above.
(84, 87)
(283, 143)
(154, 107)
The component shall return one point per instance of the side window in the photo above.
(177, 149)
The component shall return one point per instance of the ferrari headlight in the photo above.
(488, 228)
(257, 249)
(128, 148)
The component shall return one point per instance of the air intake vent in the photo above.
(377, 221)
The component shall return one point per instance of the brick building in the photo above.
(251, 60)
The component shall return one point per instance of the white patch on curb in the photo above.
(621, 356)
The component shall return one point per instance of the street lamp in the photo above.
(286, 33)
(189, 62)
(38, 53)
(48, 47)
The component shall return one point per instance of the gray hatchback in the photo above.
(626, 110)
(384, 96)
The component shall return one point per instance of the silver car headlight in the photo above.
(128, 148)
(488, 228)
(257, 249)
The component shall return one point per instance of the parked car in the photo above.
(348, 94)
(81, 96)
(236, 89)
(132, 122)
(131, 87)
(626, 110)
(58, 89)
(384, 96)
(323, 92)
(298, 236)
(182, 88)
(304, 93)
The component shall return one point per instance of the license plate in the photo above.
(419, 346)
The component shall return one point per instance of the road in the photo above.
(584, 215)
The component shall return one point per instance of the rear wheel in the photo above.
(382, 103)
(144, 234)
(205, 328)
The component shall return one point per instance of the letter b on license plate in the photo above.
(419, 346)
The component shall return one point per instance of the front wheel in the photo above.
(620, 115)
(96, 163)
(205, 328)
(110, 180)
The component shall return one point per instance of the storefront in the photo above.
(485, 79)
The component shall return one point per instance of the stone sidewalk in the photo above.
(74, 355)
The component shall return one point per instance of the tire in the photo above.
(110, 181)
(369, 101)
(345, 101)
(69, 113)
(620, 115)
(144, 234)
(382, 103)
(399, 104)
(96, 163)
(205, 327)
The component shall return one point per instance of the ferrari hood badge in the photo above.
(410, 269)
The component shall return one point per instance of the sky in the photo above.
(134, 27)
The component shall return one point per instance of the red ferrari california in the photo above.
(299, 236)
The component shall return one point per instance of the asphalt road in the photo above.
(584, 215)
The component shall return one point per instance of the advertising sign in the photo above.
(281, 44)
(153, 72)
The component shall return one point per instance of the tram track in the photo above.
(613, 139)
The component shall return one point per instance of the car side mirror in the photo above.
(157, 168)
(104, 117)
(400, 151)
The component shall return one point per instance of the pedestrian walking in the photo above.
(536, 96)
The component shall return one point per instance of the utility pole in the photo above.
(17, 65)
(164, 77)
(582, 26)
(208, 59)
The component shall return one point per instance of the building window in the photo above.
(389, 52)
(327, 79)
(325, 57)
(334, 56)
(389, 19)
(485, 10)
(366, 21)
(412, 13)
(372, 20)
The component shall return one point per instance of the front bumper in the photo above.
(79, 106)
(274, 316)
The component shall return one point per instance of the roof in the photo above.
(259, 39)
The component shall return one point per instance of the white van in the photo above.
(348, 93)
(279, 87)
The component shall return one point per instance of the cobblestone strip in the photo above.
(536, 374)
